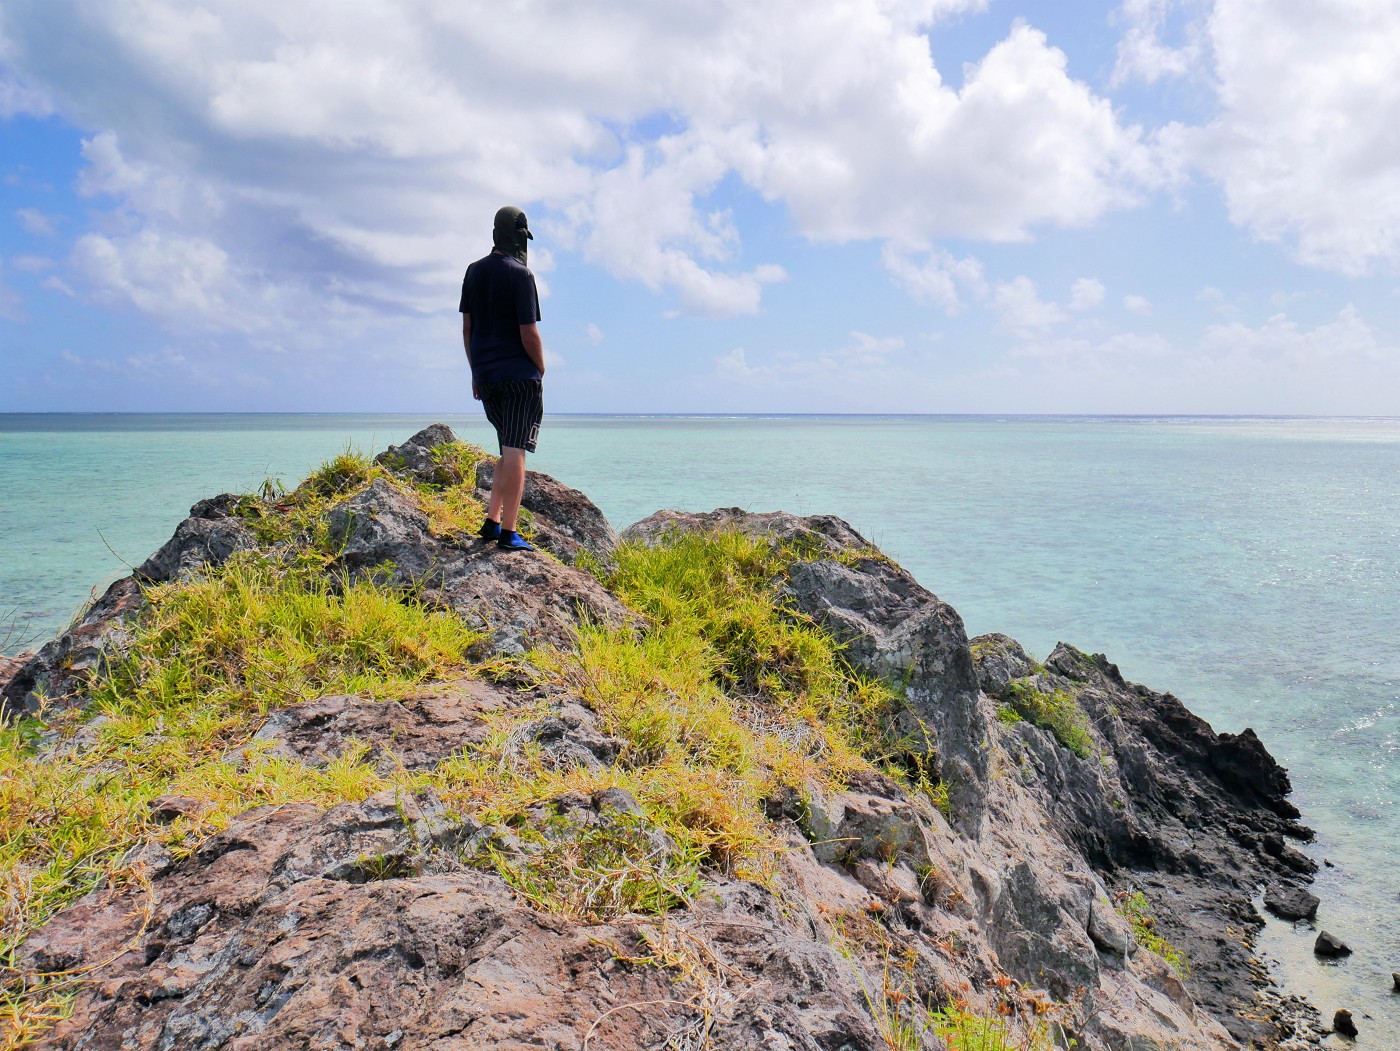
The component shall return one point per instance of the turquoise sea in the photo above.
(1250, 566)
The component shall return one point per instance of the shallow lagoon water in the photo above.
(1250, 566)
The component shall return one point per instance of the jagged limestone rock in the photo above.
(374, 923)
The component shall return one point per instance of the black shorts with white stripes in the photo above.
(515, 408)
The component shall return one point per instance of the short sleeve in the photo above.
(463, 307)
(527, 299)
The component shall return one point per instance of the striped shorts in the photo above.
(515, 408)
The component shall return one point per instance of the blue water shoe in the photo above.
(489, 530)
(512, 541)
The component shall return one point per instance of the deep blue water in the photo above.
(1251, 566)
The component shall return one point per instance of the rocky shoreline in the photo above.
(1068, 795)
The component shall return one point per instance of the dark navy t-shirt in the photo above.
(500, 295)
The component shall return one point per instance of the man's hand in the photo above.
(467, 346)
(534, 346)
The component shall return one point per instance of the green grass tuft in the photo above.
(727, 696)
(598, 871)
(1137, 910)
(1056, 710)
(209, 657)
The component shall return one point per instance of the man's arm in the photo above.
(467, 346)
(534, 345)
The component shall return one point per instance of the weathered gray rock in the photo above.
(383, 526)
(208, 537)
(521, 599)
(569, 737)
(389, 835)
(418, 458)
(415, 732)
(896, 630)
(1000, 660)
(820, 534)
(1291, 903)
(1328, 944)
(1109, 932)
(853, 825)
(893, 628)
(1166, 799)
(57, 676)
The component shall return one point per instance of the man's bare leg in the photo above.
(507, 487)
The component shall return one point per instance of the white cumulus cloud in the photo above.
(1305, 144)
(1021, 311)
(1086, 293)
(933, 275)
(354, 153)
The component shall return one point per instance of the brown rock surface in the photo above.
(385, 923)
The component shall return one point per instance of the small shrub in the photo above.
(963, 1030)
(1055, 710)
(1137, 910)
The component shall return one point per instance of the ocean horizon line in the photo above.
(683, 415)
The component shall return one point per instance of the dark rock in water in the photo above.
(1328, 944)
(1291, 903)
(1395, 981)
(1343, 1023)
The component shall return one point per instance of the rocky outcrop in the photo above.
(209, 537)
(1164, 805)
(393, 922)
(894, 629)
(380, 532)
(521, 600)
(1291, 903)
(53, 679)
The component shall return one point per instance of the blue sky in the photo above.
(1157, 206)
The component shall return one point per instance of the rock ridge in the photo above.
(991, 876)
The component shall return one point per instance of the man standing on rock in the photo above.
(500, 332)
